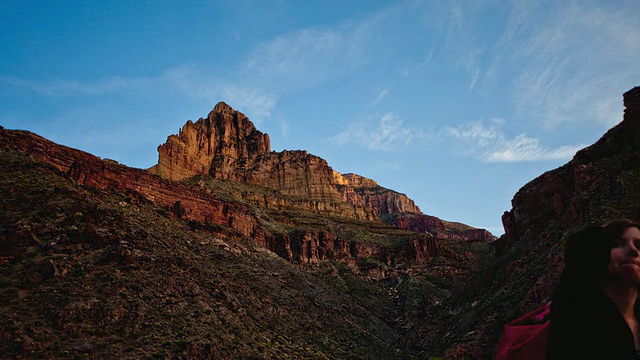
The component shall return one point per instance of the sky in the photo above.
(456, 104)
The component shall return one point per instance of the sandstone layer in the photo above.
(219, 144)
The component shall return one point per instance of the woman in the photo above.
(594, 312)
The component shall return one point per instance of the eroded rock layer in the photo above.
(421, 223)
(219, 144)
(201, 207)
(226, 145)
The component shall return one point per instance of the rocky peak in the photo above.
(226, 145)
(440, 229)
(217, 145)
(223, 107)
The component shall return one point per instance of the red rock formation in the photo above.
(631, 100)
(307, 247)
(567, 196)
(226, 145)
(87, 169)
(219, 145)
(421, 223)
(200, 206)
(359, 190)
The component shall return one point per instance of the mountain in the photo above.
(224, 249)
(226, 145)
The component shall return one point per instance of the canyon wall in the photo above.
(203, 210)
(226, 145)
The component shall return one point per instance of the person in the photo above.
(594, 309)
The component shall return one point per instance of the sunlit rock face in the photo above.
(204, 211)
(220, 144)
(359, 190)
(226, 145)
(139, 185)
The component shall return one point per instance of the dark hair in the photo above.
(616, 228)
(588, 252)
(586, 257)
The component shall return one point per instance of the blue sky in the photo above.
(457, 104)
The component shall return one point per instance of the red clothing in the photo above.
(525, 338)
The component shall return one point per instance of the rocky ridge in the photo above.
(440, 229)
(226, 145)
(202, 207)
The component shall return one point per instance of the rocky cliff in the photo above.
(598, 184)
(226, 145)
(219, 145)
(139, 185)
(440, 229)
(208, 208)
(361, 191)
(126, 245)
(99, 273)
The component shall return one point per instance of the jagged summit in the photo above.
(226, 145)
(223, 107)
(218, 144)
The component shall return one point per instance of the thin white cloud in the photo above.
(489, 143)
(302, 56)
(380, 96)
(254, 101)
(453, 30)
(310, 56)
(570, 60)
(388, 134)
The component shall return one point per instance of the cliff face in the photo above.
(293, 173)
(440, 229)
(226, 145)
(598, 184)
(100, 273)
(219, 144)
(313, 247)
(359, 190)
(183, 201)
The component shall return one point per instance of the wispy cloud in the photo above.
(254, 100)
(310, 56)
(489, 143)
(572, 58)
(301, 56)
(387, 134)
(380, 96)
